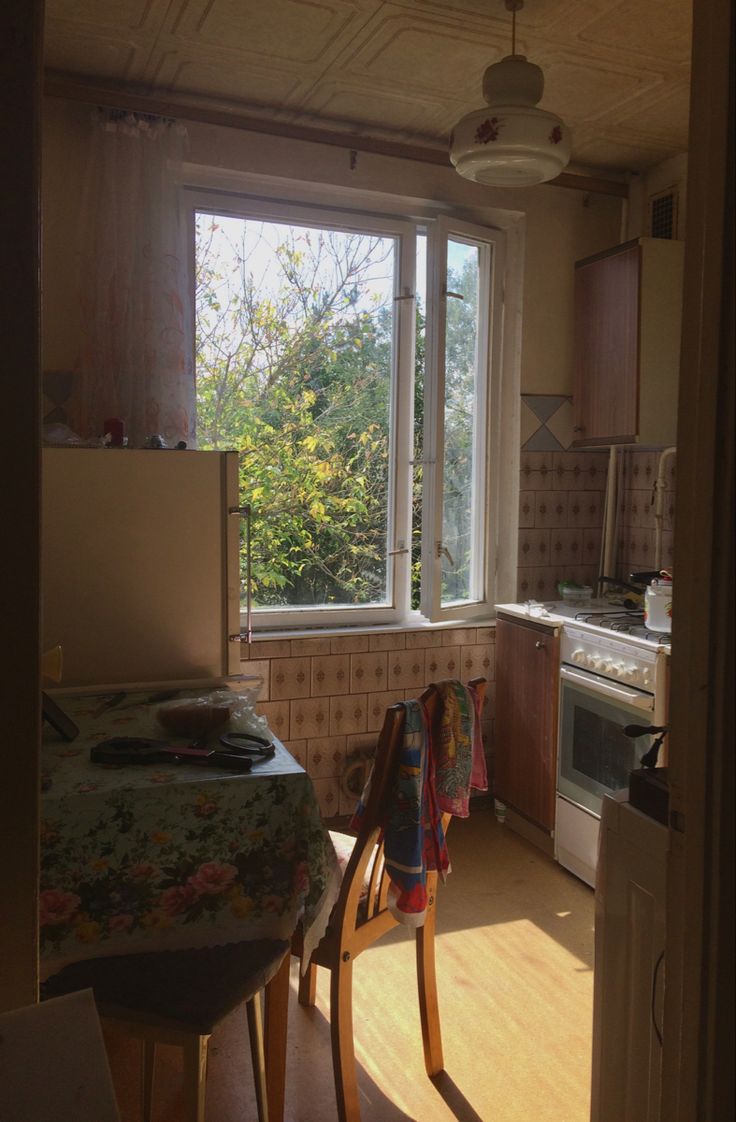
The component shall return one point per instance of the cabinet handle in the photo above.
(579, 428)
(540, 644)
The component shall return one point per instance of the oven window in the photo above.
(595, 755)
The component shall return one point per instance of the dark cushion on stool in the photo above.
(196, 987)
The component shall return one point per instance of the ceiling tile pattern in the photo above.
(617, 71)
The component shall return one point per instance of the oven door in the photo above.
(595, 757)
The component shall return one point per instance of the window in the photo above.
(350, 360)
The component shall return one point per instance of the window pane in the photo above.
(461, 376)
(294, 351)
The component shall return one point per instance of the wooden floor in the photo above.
(514, 963)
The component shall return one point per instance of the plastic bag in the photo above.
(231, 708)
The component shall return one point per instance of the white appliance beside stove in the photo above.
(613, 673)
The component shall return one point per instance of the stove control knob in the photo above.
(618, 669)
(595, 662)
(578, 655)
(607, 665)
(630, 674)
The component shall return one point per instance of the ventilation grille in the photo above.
(663, 214)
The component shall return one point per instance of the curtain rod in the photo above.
(74, 88)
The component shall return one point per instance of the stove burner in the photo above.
(612, 621)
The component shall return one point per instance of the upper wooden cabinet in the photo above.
(628, 305)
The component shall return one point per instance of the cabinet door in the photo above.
(606, 394)
(525, 759)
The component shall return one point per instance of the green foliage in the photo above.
(296, 375)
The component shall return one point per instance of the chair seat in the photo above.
(195, 988)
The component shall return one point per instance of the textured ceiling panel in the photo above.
(617, 71)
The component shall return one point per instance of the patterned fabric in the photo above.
(436, 769)
(157, 857)
(458, 749)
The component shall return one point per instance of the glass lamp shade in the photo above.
(510, 142)
(510, 146)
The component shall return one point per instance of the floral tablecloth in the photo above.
(152, 857)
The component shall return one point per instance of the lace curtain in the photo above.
(135, 361)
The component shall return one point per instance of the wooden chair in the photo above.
(178, 997)
(361, 916)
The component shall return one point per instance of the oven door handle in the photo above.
(635, 698)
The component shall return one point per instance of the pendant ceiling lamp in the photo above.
(510, 142)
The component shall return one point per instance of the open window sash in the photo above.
(464, 317)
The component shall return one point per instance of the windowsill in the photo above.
(368, 629)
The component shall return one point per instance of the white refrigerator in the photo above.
(140, 564)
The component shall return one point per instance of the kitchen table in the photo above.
(161, 856)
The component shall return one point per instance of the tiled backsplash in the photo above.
(636, 534)
(325, 698)
(561, 503)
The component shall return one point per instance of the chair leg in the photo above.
(257, 1055)
(429, 1010)
(276, 1016)
(149, 1063)
(308, 985)
(195, 1076)
(343, 1047)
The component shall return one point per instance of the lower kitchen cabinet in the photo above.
(628, 994)
(525, 756)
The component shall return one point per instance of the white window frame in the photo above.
(399, 510)
(490, 301)
(489, 351)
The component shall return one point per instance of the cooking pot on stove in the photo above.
(658, 605)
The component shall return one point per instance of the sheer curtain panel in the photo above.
(135, 359)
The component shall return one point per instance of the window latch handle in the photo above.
(442, 550)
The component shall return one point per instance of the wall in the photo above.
(559, 225)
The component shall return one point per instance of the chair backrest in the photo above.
(357, 908)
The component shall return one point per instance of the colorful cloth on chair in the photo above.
(457, 749)
(436, 768)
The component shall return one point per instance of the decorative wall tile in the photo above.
(259, 668)
(443, 662)
(418, 640)
(566, 547)
(568, 471)
(376, 706)
(536, 471)
(533, 547)
(290, 677)
(527, 502)
(668, 549)
(551, 508)
(406, 669)
(595, 471)
(459, 636)
(591, 550)
(328, 796)
(277, 717)
(330, 675)
(546, 422)
(348, 714)
(349, 644)
(301, 648)
(326, 756)
(298, 749)
(368, 672)
(310, 716)
(477, 661)
(389, 641)
(270, 648)
(537, 583)
(586, 508)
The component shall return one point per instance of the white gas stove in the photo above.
(613, 675)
